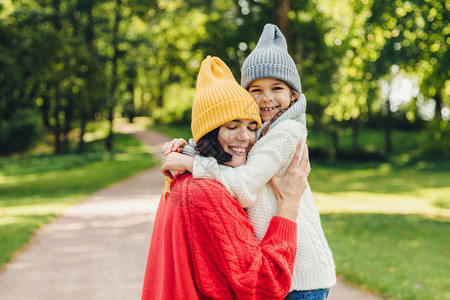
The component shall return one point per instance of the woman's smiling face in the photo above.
(271, 95)
(237, 138)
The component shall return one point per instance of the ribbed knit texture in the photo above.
(203, 247)
(219, 99)
(249, 184)
(270, 59)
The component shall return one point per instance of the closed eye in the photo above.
(253, 126)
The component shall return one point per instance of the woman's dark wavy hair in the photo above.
(209, 145)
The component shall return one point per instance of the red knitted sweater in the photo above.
(203, 247)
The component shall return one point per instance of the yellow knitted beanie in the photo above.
(219, 99)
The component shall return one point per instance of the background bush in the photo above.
(19, 133)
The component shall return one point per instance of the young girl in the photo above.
(271, 77)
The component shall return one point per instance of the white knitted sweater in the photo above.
(249, 184)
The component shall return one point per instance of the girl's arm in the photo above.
(175, 145)
(270, 155)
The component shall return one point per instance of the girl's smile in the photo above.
(271, 95)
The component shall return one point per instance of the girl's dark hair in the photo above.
(209, 145)
(294, 93)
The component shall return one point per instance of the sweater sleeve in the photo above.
(225, 250)
(270, 155)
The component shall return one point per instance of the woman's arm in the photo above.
(224, 247)
(269, 156)
(176, 162)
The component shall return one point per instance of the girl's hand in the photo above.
(176, 162)
(289, 188)
(175, 145)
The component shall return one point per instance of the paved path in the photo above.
(97, 249)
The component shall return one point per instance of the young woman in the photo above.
(271, 77)
(202, 245)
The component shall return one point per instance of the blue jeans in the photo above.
(320, 294)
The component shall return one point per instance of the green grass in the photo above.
(371, 140)
(387, 223)
(34, 189)
(421, 188)
(178, 131)
(398, 256)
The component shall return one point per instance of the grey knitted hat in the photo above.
(270, 59)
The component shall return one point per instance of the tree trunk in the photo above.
(81, 145)
(67, 120)
(416, 111)
(281, 8)
(89, 38)
(112, 100)
(130, 105)
(355, 133)
(160, 97)
(110, 138)
(335, 143)
(57, 126)
(45, 107)
(144, 109)
(56, 19)
(438, 107)
(388, 129)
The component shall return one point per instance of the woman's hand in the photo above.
(289, 188)
(175, 145)
(176, 162)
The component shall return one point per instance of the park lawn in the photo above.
(179, 131)
(370, 139)
(387, 226)
(419, 188)
(397, 256)
(387, 223)
(35, 189)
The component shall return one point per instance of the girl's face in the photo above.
(271, 95)
(237, 138)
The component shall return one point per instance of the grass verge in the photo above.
(397, 256)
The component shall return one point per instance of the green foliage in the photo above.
(67, 59)
(397, 256)
(18, 133)
(178, 110)
(437, 138)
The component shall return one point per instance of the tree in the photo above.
(416, 37)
